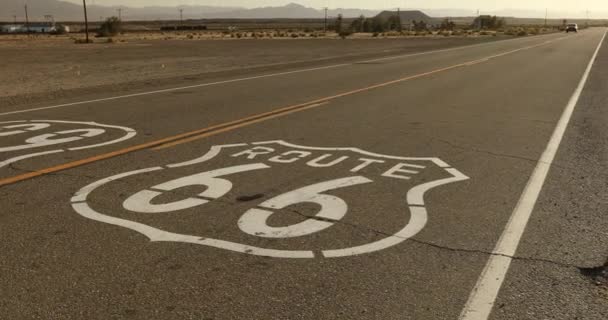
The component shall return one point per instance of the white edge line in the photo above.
(484, 294)
(169, 90)
(248, 78)
(409, 55)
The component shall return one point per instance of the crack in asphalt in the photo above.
(236, 202)
(441, 247)
(501, 155)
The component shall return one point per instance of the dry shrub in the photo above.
(82, 41)
(111, 27)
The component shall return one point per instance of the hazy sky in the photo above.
(553, 5)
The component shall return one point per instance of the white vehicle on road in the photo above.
(572, 27)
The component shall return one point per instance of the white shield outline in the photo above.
(129, 133)
(415, 199)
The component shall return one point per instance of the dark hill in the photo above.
(408, 16)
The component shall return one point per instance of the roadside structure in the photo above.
(483, 21)
(35, 27)
(11, 28)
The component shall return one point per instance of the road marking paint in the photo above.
(271, 75)
(220, 181)
(228, 126)
(316, 103)
(45, 141)
(171, 89)
(436, 161)
(245, 122)
(130, 133)
(26, 128)
(255, 221)
(27, 156)
(482, 298)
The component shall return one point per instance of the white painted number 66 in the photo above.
(254, 221)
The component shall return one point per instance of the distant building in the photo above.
(41, 27)
(483, 21)
(34, 27)
(10, 28)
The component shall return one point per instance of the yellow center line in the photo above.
(232, 125)
(315, 103)
(236, 126)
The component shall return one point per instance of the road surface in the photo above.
(465, 182)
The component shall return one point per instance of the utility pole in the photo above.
(399, 27)
(119, 13)
(15, 19)
(325, 25)
(27, 21)
(86, 20)
(181, 17)
(546, 14)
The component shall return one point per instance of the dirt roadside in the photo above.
(46, 67)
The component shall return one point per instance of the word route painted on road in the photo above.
(322, 178)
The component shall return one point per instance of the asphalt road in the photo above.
(375, 189)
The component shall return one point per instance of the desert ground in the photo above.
(55, 65)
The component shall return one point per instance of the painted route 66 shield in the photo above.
(274, 199)
(27, 139)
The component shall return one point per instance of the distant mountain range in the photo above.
(69, 11)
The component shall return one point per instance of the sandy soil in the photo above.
(49, 65)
